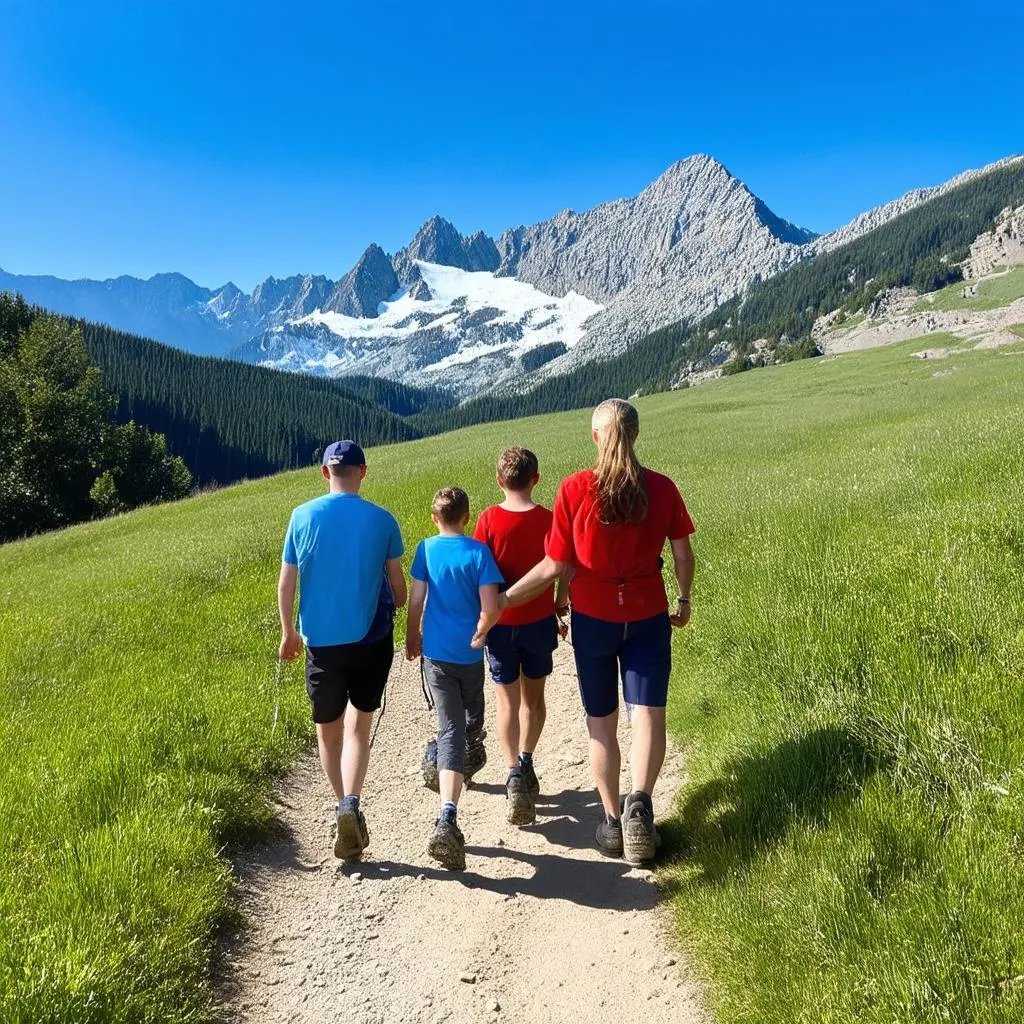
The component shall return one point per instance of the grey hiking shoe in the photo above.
(639, 836)
(448, 846)
(609, 837)
(530, 777)
(476, 753)
(521, 808)
(429, 766)
(353, 835)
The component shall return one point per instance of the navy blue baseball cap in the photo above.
(344, 453)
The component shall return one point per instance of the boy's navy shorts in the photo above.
(641, 652)
(527, 649)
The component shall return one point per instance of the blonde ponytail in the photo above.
(621, 483)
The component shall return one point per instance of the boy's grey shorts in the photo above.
(458, 692)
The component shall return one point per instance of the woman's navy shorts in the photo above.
(526, 649)
(640, 651)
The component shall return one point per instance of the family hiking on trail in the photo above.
(597, 556)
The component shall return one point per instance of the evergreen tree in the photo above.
(57, 435)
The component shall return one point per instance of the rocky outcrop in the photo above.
(1003, 246)
(361, 291)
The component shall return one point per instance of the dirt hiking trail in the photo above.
(539, 928)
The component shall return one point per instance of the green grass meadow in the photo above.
(848, 846)
(993, 293)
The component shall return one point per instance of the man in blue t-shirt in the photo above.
(458, 579)
(345, 556)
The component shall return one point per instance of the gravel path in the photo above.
(539, 927)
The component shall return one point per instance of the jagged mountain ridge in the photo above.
(689, 241)
(692, 239)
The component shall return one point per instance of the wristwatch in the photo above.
(682, 600)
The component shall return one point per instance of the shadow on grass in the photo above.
(727, 823)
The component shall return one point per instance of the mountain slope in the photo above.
(872, 219)
(781, 311)
(689, 242)
(692, 239)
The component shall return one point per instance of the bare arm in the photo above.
(684, 561)
(535, 582)
(396, 578)
(490, 612)
(287, 583)
(562, 590)
(413, 636)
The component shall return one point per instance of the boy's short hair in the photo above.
(517, 468)
(450, 505)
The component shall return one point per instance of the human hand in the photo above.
(563, 626)
(681, 616)
(479, 639)
(413, 646)
(291, 645)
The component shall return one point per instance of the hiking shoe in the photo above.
(476, 753)
(639, 836)
(448, 846)
(429, 766)
(609, 837)
(530, 778)
(521, 809)
(353, 835)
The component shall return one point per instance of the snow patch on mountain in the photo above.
(473, 320)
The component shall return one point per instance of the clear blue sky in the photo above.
(232, 141)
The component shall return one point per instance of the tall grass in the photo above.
(852, 694)
(849, 693)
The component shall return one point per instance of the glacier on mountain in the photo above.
(473, 320)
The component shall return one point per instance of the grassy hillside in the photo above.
(849, 841)
(1004, 286)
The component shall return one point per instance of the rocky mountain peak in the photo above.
(369, 283)
(439, 241)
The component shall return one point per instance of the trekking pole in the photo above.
(423, 685)
(383, 705)
(277, 696)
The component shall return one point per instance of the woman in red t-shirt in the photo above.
(610, 527)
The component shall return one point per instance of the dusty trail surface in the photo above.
(539, 927)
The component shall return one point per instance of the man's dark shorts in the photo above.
(526, 649)
(342, 673)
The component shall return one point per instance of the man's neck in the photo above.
(340, 486)
(450, 531)
(518, 501)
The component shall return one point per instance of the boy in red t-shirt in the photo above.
(520, 646)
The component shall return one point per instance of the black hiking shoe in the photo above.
(448, 846)
(476, 754)
(429, 766)
(353, 836)
(521, 808)
(530, 778)
(639, 836)
(609, 837)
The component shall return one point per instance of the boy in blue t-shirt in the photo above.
(458, 579)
